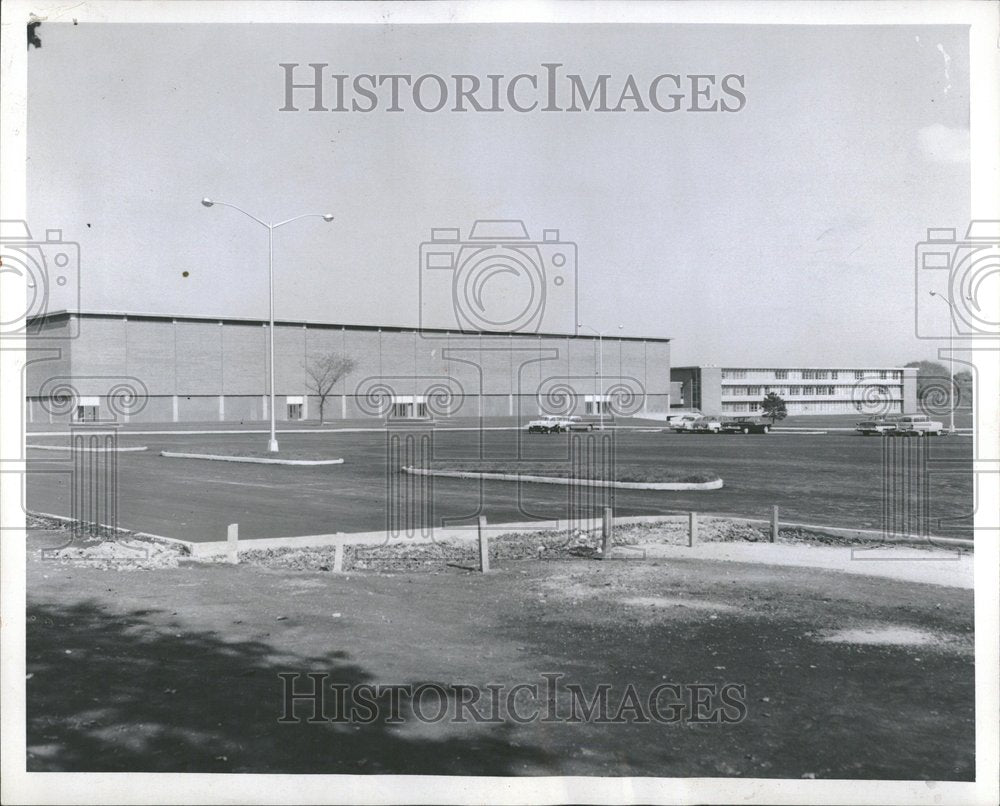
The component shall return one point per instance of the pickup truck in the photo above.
(917, 425)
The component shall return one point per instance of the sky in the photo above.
(781, 234)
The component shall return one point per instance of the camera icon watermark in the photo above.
(964, 274)
(42, 270)
(498, 280)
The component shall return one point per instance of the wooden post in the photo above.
(484, 546)
(232, 543)
(607, 531)
(338, 558)
(692, 528)
(774, 524)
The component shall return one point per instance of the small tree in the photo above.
(774, 407)
(322, 374)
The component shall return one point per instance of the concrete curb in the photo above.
(253, 460)
(619, 485)
(86, 450)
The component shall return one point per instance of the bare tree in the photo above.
(322, 374)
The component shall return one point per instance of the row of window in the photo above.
(793, 391)
(815, 374)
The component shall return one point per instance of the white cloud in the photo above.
(943, 144)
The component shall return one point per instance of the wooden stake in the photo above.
(692, 528)
(607, 531)
(484, 546)
(232, 543)
(774, 524)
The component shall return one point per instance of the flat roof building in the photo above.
(161, 368)
(868, 391)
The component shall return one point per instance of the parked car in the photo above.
(683, 422)
(746, 425)
(708, 424)
(549, 424)
(917, 425)
(876, 426)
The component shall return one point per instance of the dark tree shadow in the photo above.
(134, 696)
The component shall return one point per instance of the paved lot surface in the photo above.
(177, 669)
(833, 479)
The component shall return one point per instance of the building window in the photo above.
(597, 404)
(808, 390)
(780, 374)
(409, 408)
(294, 407)
(755, 407)
(808, 374)
(86, 414)
(733, 374)
(882, 374)
(834, 375)
(858, 374)
(753, 390)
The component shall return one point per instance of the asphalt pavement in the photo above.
(835, 479)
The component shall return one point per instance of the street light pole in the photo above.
(599, 394)
(272, 443)
(951, 359)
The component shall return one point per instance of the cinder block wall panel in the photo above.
(364, 347)
(244, 354)
(198, 408)
(199, 357)
(39, 370)
(243, 408)
(98, 354)
(158, 409)
(289, 360)
(150, 354)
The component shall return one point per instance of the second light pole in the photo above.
(272, 444)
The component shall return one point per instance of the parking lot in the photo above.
(834, 478)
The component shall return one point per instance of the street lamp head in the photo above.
(328, 217)
(932, 293)
(207, 202)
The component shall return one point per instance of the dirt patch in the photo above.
(661, 602)
(894, 635)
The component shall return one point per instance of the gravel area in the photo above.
(543, 545)
(107, 549)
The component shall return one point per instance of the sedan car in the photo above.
(876, 426)
(707, 425)
(683, 422)
(549, 424)
(746, 425)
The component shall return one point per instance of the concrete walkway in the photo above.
(929, 566)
